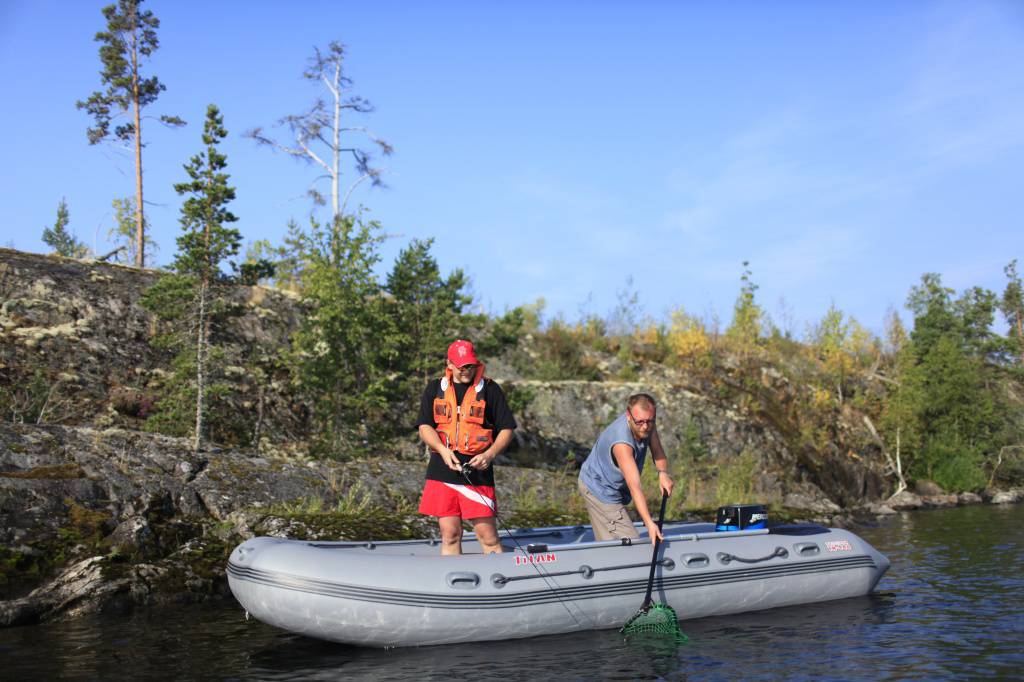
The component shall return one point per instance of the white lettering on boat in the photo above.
(839, 546)
(758, 517)
(536, 559)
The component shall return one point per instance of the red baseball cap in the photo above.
(460, 353)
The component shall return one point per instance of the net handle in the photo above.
(654, 559)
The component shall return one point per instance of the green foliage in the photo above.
(953, 464)
(194, 304)
(841, 345)
(347, 341)
(735, 479)
(691, 444)
(425, 309)
(122, 232)
(969, 318)
(519, 397)
(206, 242)
(503, 332)
(130, 37)
(59, 239)
(747, 317)
(557, 354)
(128, 42)
(24, 401)
(252, 273)
(271, 265)
(948, 407)
(1012, 307)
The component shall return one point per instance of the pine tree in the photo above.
(129, 40)
(59, 239)
(191, 298)
(206, 242)
(426, 307)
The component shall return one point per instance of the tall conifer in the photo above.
(207, 241)
(129, 40)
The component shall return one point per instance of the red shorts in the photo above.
(451, 499)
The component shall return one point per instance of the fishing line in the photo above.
(466, 470)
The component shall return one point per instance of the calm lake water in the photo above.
(949, 608)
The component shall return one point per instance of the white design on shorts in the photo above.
(471, 494)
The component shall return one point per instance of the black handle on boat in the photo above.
(654, 559)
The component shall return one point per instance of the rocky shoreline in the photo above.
(99, 513)
(107, 519)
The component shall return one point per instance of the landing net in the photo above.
(656, 619)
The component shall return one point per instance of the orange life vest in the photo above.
(461, 427)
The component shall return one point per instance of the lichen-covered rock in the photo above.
(1007, 496)
(880, 509)
(75, 343)
(905, 500)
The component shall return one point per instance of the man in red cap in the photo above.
(466, 422)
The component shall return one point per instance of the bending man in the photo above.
(466, 422)
(610, 476)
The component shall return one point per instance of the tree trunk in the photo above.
(336, 161)
(1020, 335)
(202, 341)
(140, 238)
(258, 431)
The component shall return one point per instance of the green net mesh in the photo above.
(657, 619)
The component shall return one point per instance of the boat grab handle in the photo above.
(695, 560)
(462, 580)
(725, 558)
(807, 548)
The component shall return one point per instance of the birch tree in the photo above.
(130, 39)
(323, 136)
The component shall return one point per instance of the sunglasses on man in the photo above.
(642, 422)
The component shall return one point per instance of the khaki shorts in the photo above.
(610, 521)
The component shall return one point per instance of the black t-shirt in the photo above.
(497, 417)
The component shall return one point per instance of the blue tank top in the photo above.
(601, 474)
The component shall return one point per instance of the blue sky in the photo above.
(558, 149)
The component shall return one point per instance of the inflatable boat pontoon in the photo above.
(549, 580)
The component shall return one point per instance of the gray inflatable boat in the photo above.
(549, 580)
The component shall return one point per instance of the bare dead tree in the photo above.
(321, 134)
(895, 466)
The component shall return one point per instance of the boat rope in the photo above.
(780, 552)
(585, 571)
(466, 470)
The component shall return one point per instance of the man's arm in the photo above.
(623, 455)
(429, 436)
(661, 463)
(484, 459)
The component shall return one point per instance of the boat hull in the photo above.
(553, 581)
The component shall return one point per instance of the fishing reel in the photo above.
(467, 470)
